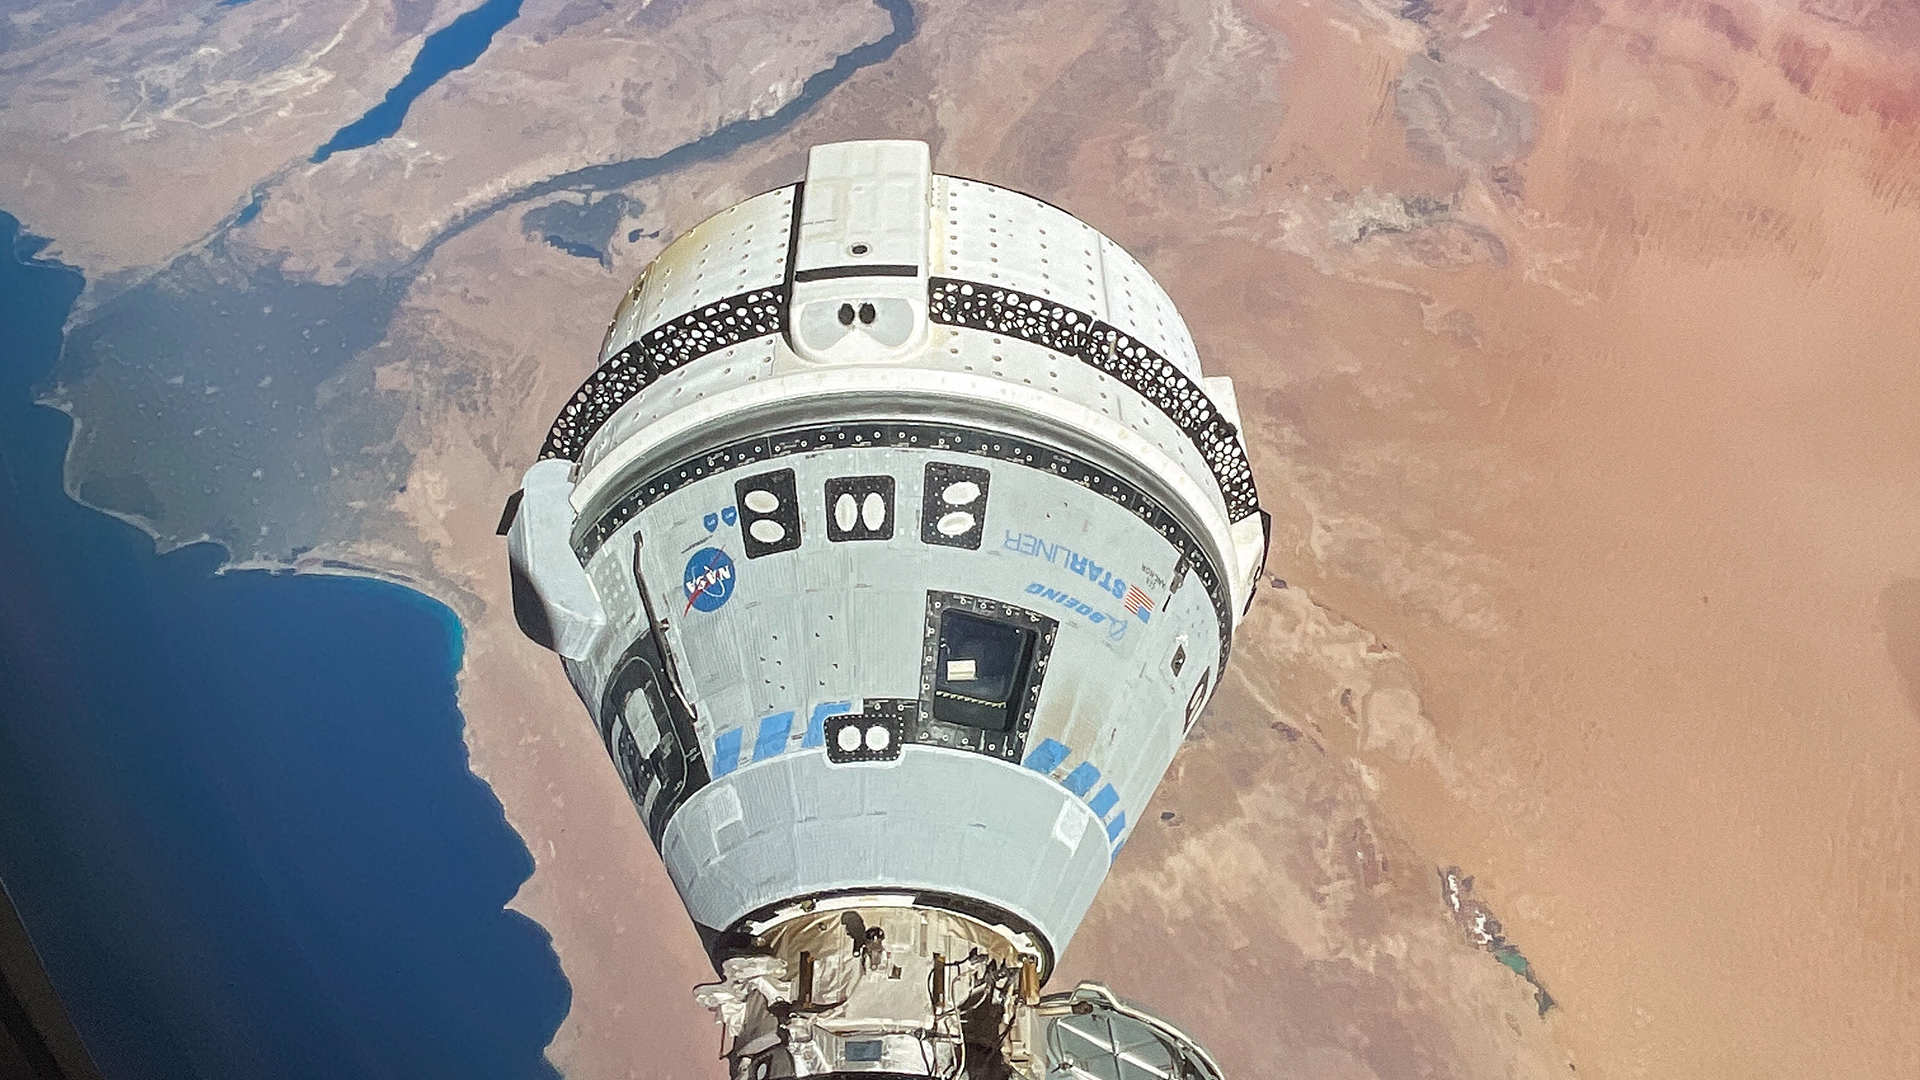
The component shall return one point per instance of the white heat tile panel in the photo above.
(1139, 306)
(1000, 237)
(742, 248)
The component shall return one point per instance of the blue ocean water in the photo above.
(235, 811)
(252, 209)
(450, 48)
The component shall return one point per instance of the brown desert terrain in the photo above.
(1578, 352)
(1578, 345)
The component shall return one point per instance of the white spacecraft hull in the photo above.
(894, 547)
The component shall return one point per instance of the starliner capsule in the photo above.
(893, 547)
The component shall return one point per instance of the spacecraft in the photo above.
(894, 546)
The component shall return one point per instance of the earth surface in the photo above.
(1578, 343)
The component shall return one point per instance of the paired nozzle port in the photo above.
(865, 314)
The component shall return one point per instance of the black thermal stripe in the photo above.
(667, 347)
(1071, 332)
(950, 302)
(643, 491)
(828, 273)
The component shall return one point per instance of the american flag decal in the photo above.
(1139, 603)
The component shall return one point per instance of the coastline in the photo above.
(160, 617)
(1591, 530)
(505, 730)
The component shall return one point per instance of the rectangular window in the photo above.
(982, 667)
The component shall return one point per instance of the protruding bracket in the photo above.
(553, 598)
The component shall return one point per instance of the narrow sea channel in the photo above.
(452, 47)
(235, 810)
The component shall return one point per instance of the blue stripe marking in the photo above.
(773, 735)
(817, 722)
(1082, 778)
(1118, 823)
(726, 752)
(1047, 756)
(1104, 801)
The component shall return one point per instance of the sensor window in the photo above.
(982, 671)
(769, 513)
(859, 508)
(953, 505)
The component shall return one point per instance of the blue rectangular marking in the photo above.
(1047, 756)
(773, 735)
(817, 722)
(1103, 802)
(726, 752)
(1082, 778)
(1118, 823)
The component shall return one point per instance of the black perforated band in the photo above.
(667, 347)
(1038, 321)
(990, 308)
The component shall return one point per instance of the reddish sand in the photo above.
(1577, 350)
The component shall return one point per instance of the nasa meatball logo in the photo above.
(708, 580)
